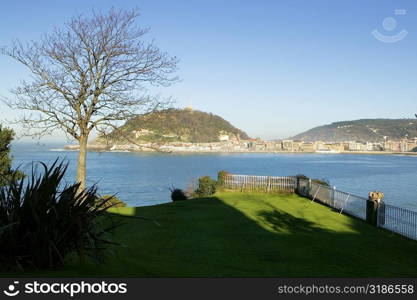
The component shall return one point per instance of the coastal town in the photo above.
(232, 143)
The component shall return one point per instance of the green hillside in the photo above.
(178, 125)
(372, 130)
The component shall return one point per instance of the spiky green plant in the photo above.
(178, 195)
(113, 201)
(43, 220)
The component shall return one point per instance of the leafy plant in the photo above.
(178, 195)
(221, 177)
(112, 201)
(43, 220)
(206, 186)
(6, 172)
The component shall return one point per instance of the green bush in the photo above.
(221, 176)
(111, 201)
(206, 186)
(44, 220)
(6, 172)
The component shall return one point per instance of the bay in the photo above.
(146, 178)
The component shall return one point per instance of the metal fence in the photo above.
(342, 201)
(398, 220)
(261, 183)
(395, 219)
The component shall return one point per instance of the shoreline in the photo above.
(98, 149)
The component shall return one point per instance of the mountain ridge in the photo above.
(366, 130)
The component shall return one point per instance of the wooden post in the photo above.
(373, 205)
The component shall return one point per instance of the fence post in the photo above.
(372, 207)
(333, 196)
(381, 213)
(297, 185)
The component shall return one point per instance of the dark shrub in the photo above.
(178, 195)
(319, 181)
(44, 220)
(206, 186)
(111, 201)
(221, 176)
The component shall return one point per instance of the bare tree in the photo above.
(89, 75)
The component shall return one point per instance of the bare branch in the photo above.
(88, 73)
(91, 73)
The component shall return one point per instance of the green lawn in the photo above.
(250, 234)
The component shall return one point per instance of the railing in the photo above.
(339, 200)
(398, 220)
(260, 183)
(395, 219)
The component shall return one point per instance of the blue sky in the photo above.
(272, 68)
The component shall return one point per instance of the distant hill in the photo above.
(178, 125)
(372, 130)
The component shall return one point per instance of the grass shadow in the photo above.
(249, 235)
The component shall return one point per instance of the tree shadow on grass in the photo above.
(213, 237)
(283, 222)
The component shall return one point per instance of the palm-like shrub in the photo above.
(42, 220)
(112, 201)
(178, 195)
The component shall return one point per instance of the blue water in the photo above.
(145, 178)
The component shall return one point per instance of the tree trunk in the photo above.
(81, 164)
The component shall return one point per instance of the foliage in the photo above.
(373, 130)
(111, 201)
(206, 186)
(301, 176)
(6, 172)
(180, 125)
(43, 220)
(221, 176)
(178, 195)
